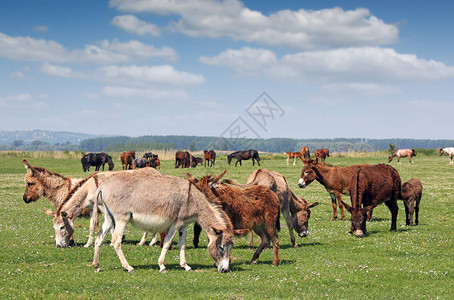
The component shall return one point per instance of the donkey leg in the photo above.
(275, 240)
(341, 207)
(411, 210)
(118, 235)
(392, 205)
(334, 203)
(167, 242)
(251, 240)
(92, 230)
(100, 238)
(182, 245)
(154, 239)
(197, 231)
(265, 243)
(143, 239)
(417, 211)
(288, 220)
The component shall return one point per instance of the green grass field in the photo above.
(412, 263)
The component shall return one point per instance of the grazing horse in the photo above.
(154, 162)
(149, 155)
(336, 180)
(294, 155)
(140, 163)
(450, 152)
(126, 159)
(183, 159)
(196, 161)
(244, 155)
(306, 153)
(411, 194)
(371, 186)
(296, 210)
(254, 208)
(403, 153)
(321, 154)
(209, 156)
(97, 160)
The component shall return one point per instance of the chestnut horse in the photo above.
(336, 180)
(126, 159)
(403, 153)
(306, 153)
(209, 156)
(294, 155)
(321, 154)
(183, 159)
(450, 152)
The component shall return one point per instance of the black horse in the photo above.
(97, 160)
(149, 155)
(240, 155)
(140, 163)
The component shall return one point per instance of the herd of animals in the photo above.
(166, 205)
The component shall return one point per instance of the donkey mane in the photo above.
(74, 190)
(47, 172)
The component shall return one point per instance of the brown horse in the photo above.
(183, 159)
(244, 155)
(411, 194)
(294, 155)
(209, 156)
(306, 153)
(450, 152)
(154, 163)
(371, 186)
(336, 180)
(321, 154)
(254, 208)
(126, 159)
(403, 153)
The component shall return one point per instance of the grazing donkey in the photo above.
(411, 194)
(336, 180)
(254, 208)
(370, 186)
(154, 204)
(296, 210)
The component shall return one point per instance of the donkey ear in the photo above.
(216, 179)
(310, 205)
(27, 165)
(348, 207)
(49, 212)
(217, 231)
(191, 178)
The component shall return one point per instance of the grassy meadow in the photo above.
(413, 263)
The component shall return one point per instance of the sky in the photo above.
(255, 69)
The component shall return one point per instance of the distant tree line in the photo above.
(194, 143)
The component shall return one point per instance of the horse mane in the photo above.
(74, 190)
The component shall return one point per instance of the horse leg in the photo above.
(197, 230)
(143, 239)
(288, 158)
(182, 245)
(166, 245)
(92, 229)
(258, 162)
(398, 159)
(106, 226)
(294, 160)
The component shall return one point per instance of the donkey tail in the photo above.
(95, 214)
(278, 219)
(233, 182)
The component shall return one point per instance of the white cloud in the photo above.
(17, 75)
(23, 102)
(122, 92)
(347, 64)
(134, 25)
(301, 29)
(40, 28)
(360, 89)
(30, 49)
(59, 71)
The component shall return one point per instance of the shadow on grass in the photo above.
(195, 267)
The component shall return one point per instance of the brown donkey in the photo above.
(370, 186)
(296, 210)
(411, 194)
(255, 208)
(336, 180)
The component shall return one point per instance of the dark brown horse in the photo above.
(371, 186)
(244, 155)
(403, 153)
(209, 156)
(126, 159)
(321, 154)
(254, 208)
(183, 159)
(336, 180)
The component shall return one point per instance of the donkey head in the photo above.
(300, 219)
(34, 188)
(64, 229)
(308, 173)
(359, 216)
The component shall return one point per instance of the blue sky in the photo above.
(367, 69)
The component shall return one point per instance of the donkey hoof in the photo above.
(97, 269)
(131, 271)
(163, 271)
